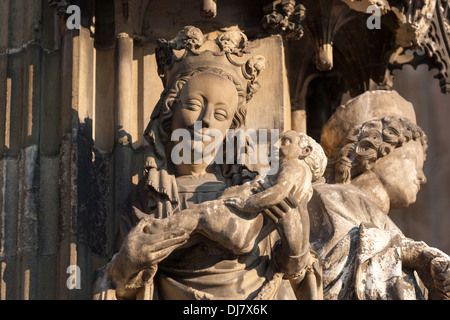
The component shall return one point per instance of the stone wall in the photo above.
(37, 165)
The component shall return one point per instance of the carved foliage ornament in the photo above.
(433, 48)
(420, 25)
(436, 44)
(284, 17)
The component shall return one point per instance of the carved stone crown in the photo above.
(190, 50)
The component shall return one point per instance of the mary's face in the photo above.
(401, 173)
(206, 101)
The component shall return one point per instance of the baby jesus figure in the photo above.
(238, 218)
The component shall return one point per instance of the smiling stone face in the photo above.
(210, 100)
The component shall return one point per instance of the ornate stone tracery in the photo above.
(433, 48)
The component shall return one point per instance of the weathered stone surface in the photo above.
(66, 94)
(377, 165)
(49, 206)
(370, 105)
(213, 90)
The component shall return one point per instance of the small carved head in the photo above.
(189, 38)
(232, 42)
(391, 148)
(366, 143)
(298, 145)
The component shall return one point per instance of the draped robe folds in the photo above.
(360, 247)
(207, 271)
(203, 269)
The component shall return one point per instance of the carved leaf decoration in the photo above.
(285, 18)
(434, 49)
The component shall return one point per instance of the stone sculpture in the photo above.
(376, 153)
(208, 230)
(195, 238)
(302, 161)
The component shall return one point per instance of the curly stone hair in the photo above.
(365, 144)
(316, 158)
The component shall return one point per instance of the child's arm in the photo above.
(289, 174)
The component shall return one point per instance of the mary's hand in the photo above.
(235, 202)
(143, 251)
